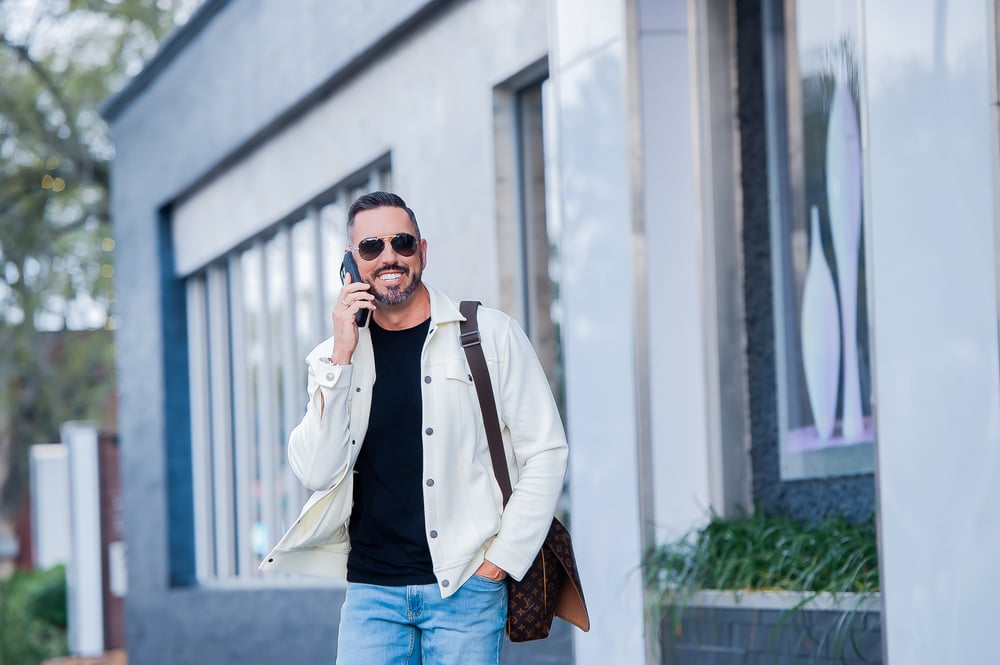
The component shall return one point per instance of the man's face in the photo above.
(392, 276)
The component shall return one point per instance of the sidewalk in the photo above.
(116, 657)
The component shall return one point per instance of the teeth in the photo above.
(390, 277)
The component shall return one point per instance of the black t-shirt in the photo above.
(388, 534)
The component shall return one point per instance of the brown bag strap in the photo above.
(571, 605)
(472, 343)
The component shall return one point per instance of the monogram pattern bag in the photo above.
(551, 587)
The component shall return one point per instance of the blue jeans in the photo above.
(410, 625)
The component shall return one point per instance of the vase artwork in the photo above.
(820, 335)
(843, 190)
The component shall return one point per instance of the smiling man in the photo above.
(404, 500)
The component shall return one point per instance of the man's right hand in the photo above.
(354, 296)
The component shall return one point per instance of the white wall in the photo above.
(433, 110)
(930, 227)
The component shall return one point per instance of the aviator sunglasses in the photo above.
(403, 244)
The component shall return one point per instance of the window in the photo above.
(817, 247)
(527, 214)
(253, 315)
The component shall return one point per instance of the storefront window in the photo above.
(254, 315)
(816, 178)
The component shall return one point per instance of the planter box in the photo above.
(758, 628)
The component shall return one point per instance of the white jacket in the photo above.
(463, 508)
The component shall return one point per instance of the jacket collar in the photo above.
(443, 308)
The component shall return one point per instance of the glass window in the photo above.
(821, 312)
(333, 242)
(254, 315)
(527, 214)
(254, 351)
(308, 279)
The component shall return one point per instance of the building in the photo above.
(731, 227)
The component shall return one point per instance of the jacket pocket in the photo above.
(456, 369)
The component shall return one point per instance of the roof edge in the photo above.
(309, 99)
(171, 46)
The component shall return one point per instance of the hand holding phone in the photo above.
(350, 267)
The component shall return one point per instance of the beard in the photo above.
(395, 294)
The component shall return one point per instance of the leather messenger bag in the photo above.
(551, 587)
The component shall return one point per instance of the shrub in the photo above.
(33, 616)
(764, 552)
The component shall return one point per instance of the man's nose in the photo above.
(389, 255)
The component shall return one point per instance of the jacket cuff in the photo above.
(512, 562)
(328, 375)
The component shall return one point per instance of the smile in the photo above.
(390, 277)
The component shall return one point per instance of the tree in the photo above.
(59, 59)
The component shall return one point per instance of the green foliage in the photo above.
(45, 593)
(59, 60)
(764, 552)
(33, 617)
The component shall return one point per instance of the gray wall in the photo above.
(735, 636)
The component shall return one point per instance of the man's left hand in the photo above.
(488, 570)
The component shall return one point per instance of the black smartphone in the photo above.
(350, 266)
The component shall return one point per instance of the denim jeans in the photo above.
(414, 625)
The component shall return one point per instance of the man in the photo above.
(404, 500)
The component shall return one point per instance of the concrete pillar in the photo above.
(930, 224)
(84, 590)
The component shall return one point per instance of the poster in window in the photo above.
(823, 368)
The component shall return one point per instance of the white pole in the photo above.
(50, 502)
(85, 603)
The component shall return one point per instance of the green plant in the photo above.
(33, 616)
(767, 553)
(764, 552)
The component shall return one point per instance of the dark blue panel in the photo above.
(180, 499)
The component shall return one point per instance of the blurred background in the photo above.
(754, 243)
(58, 62)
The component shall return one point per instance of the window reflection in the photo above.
(278, 355)
(333, 242)
(251, 269)
(308, 305)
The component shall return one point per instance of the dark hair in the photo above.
(373, 200)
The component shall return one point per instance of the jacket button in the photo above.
(434, 534)
(430, 482)
(357, 390)
(354, 442)
(429, 431)
(427, 379)
(329, 376)
(445, 583)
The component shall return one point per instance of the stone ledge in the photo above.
(786, 600)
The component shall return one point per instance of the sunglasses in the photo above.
(403, 244)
